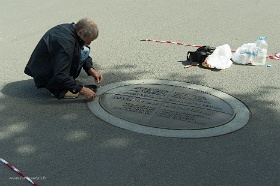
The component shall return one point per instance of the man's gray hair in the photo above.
(88, 26)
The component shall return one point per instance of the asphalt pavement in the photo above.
(62, 143)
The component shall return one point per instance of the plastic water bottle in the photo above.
(259, 52)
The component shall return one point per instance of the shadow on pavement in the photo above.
(62, 143)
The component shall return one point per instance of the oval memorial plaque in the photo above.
(169, 108)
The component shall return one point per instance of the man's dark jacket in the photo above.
(55, 60)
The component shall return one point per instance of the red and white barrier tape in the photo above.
(276, 56)
(18, 171)
(170, 42)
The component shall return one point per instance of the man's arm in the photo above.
(97, 75)
(61, 66)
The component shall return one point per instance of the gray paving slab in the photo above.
(63, 142)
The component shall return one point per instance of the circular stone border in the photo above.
(240, 120)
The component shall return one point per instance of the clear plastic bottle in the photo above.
(259, 52)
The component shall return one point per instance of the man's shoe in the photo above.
(70, 95)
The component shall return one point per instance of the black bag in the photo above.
(200, 54)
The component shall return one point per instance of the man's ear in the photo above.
(80, 33)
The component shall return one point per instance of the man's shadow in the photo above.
(26, 90)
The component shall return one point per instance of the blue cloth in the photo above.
(84, 55)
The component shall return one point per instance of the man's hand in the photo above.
(97, 76)
(88, 93)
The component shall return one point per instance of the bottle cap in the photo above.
(262, 38)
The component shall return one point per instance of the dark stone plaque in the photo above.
(166, 106)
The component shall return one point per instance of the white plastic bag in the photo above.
(220, 58)
(243, 54)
